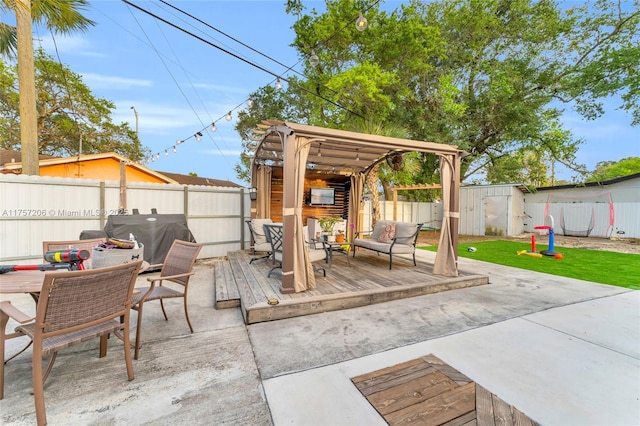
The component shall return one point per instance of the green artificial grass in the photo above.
(606, 267)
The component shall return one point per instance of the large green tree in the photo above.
(607, 170)
(490, 76)
(58, 15)
(70, 121)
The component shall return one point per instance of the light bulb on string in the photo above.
(166, 153)
(175, 149)
(278, 83)
(198, 136)
(361, 23)
(228, 117)
(250, 101)
(313, 59)
(213, 127)
(357, 155)
(319, 152)
(179, 141)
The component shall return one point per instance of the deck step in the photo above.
(225, 287)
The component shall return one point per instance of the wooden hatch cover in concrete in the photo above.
(427, 391)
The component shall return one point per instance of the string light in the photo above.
(197, 136)
(313, 59)
(361, 23)
(357, 155)
(319, 147)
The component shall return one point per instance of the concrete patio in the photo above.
(563, 351)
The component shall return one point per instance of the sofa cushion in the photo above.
(387, 234)
(402, 248)
(405, 232)
(379, 227)
(372, 244)
(258, 230)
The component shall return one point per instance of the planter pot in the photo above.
(340, 238)
(331, 238)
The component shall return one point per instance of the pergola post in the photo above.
(288, 212)
(395, 204)
(455, 205)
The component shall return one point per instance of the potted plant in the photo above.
(327, 223)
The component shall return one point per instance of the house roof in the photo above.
(337, 151)
(8, 156)
(10, 162)
(51, 161)
(591, 184)
(197, 180)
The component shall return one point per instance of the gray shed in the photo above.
(493, 209)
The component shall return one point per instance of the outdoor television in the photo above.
(322, 197)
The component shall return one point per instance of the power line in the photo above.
(287, 68)
(261, 68)
(175, 82)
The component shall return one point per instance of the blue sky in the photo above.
(180, 85)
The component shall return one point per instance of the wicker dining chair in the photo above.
(178, 269)
(73, 244)
(73, 307)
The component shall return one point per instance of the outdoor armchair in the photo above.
(176, 269)
(73, 307)
(274, 235)
(318, 251)
(260, 243)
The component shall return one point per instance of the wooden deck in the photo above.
(364, 280)
(426, 391)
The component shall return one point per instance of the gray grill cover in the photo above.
(155, 231)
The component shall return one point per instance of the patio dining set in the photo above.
(76, 304)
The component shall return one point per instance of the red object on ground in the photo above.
(558, 256)
(542, 227)
(533, 243)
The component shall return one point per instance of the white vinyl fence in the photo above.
(35, 209)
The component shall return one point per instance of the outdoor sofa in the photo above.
(390, 237)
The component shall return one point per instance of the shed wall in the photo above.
(477, 201)
(626, 204)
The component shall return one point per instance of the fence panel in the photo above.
(35, 209)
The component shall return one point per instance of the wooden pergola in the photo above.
(298, 148)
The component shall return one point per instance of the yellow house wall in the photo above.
(101, 169)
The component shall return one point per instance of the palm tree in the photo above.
(58, 15)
